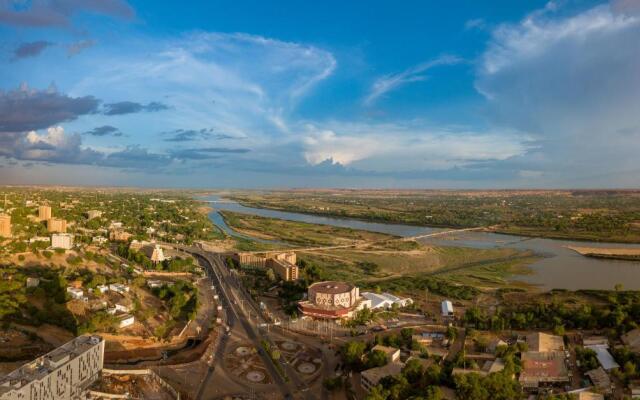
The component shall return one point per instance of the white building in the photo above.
(36, 239)
(63, 374)
(154, 283)
(447, 308)
(126, 320)
(385, 300)
(62, 241)
(102, 288)
(33, 282)
(119, 288)
(75, 293)
(99, 240)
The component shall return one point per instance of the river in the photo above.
(559, 268)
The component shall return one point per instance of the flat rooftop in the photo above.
(44, 365)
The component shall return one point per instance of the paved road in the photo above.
(229, 300)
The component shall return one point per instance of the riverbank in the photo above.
(608, 253)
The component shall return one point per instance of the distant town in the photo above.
(112, 293)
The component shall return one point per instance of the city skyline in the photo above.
(254, 95)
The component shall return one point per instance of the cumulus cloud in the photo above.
(573, 82)
(43, 13)
(398, 148)
(26, 109)
(30, 49)
(130, 107)
(56, 146)
(105, 130)
(416, 73)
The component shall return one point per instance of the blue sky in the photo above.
(320, 94)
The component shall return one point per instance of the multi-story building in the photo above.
(44, 213)
(5, 225)
(56, 225)
(283, 269)
(62, 241)
(63, 374)
(91, 214)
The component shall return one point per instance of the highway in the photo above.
(229, 299)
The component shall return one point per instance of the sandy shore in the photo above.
(605, 251)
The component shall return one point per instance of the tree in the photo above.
(352, 353)
(377, 393)
(271, 276)
(376, 358)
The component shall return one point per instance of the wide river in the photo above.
(560, 267)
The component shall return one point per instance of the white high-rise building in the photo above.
(62, 241)
(63, 374)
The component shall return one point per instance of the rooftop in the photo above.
(543, 342)
(331, 287)
(44, 365)
(375, 374)
(543, 367)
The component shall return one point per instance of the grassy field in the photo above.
(583, 215)
(298, 233)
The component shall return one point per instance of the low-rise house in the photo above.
(543, 369)
(119, 288)
(75, 293)
(604, 357)
(392, 353)
(99, 240)
(126, 320)
(543, 342)
(632, 340)
(371, 377)
(36, 239)
(102, 288)
(32, 282)
(495, 344)
(447, 308)
(600, 379)
(154, 283)
(430, 338)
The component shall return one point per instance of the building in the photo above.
(119, 288)
(600, 379)
(102, 288)
(288, 256)
(126, 320)
(91, 214)
(371, 377)
(56, 225)
(331, 299)
(44, 213)
(36, 239)
(62, 241)
(63, 374)
(283, 269)
(119, 235)
(99, 240)
(32, 282)
(632, 340)
(430, 338)
(543, 342)
(604, 357)
(543, 369)
(154, 283)
(5, 225)
(447, 308)
(386, 300)
(585, 394)
(392, 353)
(75, 293)
(153, 252)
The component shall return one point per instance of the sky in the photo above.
(362, 94)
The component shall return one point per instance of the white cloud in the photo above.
(416, 73)
(399, 148)
(573, 83)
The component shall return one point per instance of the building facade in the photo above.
(56, 225)
(44, 213)
(332, 300)
(62, 241)
(5, 225)
(283, 269)
(63, 374)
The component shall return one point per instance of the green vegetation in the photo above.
(299, 233)
(588, 215)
